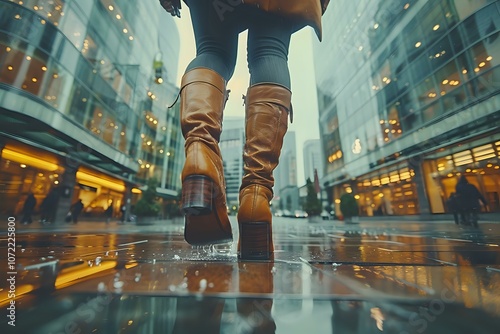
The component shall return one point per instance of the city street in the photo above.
(327, 277)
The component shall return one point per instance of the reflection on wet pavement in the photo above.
(326, 278)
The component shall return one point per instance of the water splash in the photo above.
(101, 287)
(203, 285)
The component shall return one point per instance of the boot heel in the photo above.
(197, 196)
(254, 241)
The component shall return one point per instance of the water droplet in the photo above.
(90, 263)
(273, 270)
(118, 284)
(107, 253)
(172, 287)
(98, 260)
(197, 272)
(101, 287)
(210, 285)
(203, 285)
(154, 261)
(22, 250)
(177, 257)
(137, 277)
(51, 252)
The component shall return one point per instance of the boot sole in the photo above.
(254, 241)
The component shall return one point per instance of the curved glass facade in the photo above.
(79, 88)
(401, 86)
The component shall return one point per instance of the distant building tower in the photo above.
(231, 145)
(285, 174)
(312, 159)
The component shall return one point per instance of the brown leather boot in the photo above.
(267, 108)
(203, 97)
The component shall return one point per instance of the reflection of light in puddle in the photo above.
(376, 313)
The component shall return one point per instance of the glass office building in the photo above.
(408, 94)
(84, 90)
(231, 144)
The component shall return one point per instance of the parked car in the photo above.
(279, 213)
(325, 215)
(287, 213)
(301, 214)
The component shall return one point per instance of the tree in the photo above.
(349, 206)
(147, 206)
(313, 203)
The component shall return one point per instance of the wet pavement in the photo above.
(327, 277)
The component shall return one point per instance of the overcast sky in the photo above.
(304, 100)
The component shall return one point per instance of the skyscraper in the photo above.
(409, 101)
(312, 159)
(231, 146)
(285, 175)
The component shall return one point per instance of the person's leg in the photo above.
(268, 103)
(203, 97)
(268, 44)
(216, 40)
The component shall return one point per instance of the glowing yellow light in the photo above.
(19, 157)
(10, 68)
(111, 7)
(436, 27)
(118, 16)
(116, 185)
(67, 278)
(136, 191)
(418, 44)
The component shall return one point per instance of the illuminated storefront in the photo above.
(81, 108)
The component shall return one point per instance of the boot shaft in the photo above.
(203, 97)
(267, 108)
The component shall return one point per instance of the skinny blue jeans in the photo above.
(217, 25)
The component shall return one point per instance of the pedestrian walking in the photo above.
(123, 210)
(109, 212)
(28, 209)
(203, 95)
(469, 201)
(48, 207)
(76, 209)
(454, 207)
